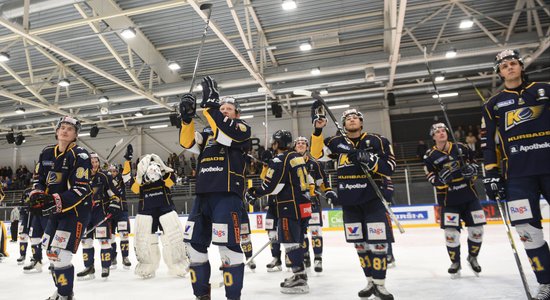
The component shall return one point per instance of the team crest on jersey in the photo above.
(54, 178)
(343, 160)
(241, 127)
(522, 115)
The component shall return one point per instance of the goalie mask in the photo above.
(153, 173)
(437, 126)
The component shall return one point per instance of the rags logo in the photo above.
(61, 239)
(376, 231)
(478, 216)
(451, 219)
(520, 209)
(522, 115)
(353, 231)
(188, 230)
(219, 233)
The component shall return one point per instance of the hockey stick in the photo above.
(318, 97)
(107, 217)
(113, 149)
(203, 7)
(514, 249)
(257, 252)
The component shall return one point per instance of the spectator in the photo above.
(14, 218)
(459, 134)
(421, 149)
(471, 140)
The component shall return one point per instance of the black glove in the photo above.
(494, 185)
(445, 175)
(44, 204)
(266, 156)
(187, 107)
(129, 152)
(332, 198)
(469, 171)
(114, 206)
(210, 95)
(317, 111)
(250, 196)
(365, 158)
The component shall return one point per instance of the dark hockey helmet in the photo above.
(283, 138)
(232, 101)
(69, 120)
(506, 55)
(436, 126)
(348, 112)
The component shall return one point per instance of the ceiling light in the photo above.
(4, 56)
(451, 53)
(64, 82)
(138, 114)
(445, 95)
(323, 92)
(439, 78)
(339, 106)
(289, 4)
(158, 126)
(315, 71)
(103, 99)
(247, 117)
(83, 134)
(20, 110)
(464, 24)
(128, 33)
(174, 66)
(305, 46)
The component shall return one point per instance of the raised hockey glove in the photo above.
(187, 107)
(469, 171)
(317, 111)
(129, 152)
(250, 196)
(210, 94)
(494, 185)
(445, 176)
(332, 198)
(366, 158)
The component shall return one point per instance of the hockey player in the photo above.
(451, 168)
(63, 193)
(318, 178)
(156, 210)
(24, 226)
(216, 213)
(104, 202)
(363, 212)
(520, 117)
(120, 221)
(286, 178)
(3, 234)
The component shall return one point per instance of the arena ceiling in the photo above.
(363, 50)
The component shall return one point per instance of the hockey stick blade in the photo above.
(302, 93)
(107, 217)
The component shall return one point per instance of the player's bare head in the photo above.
(352, 120)
(281, 139)
(67, 128)
(95, 161)
(301, 144)
(230, 107)
(439, 132)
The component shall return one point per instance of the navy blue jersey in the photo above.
(155, 194)
(317, 173)
(520, 120)
(286, 178)
(119, 188)
(353, 186)
(222, 152)
(66, 174)
(102, 189)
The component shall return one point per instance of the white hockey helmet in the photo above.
(69, 120)
(437, 126)
(232, 101)
(348, 112)
(506, 55)
(301, 139)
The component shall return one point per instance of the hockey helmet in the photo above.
(112, 168)
(69, 120)
(283, 138)
(506, 55)
(233, 101)
(349, 112)
(94, 155)
(437, 126)
(301, 139)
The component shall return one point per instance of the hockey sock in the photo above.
(200, 276)
(454, 254)
(317, 245)
(64, 279)
(88, 256)
(540, 262)
(364, 258)
(473, 248)
(390, 249)
(37, 252)
(378, 264)
(275, 249)
(23, 248)
(106, 252)
(233, 280)
(305, 244)
(296, 257)
(124, 246)
(113, 251)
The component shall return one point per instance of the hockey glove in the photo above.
(332, 198)
(445, 176)
(129, 152)
(114, 206)
(45, 204)
(187, 107)
(469, 171)
(267, 156)
(317, 111)
(250, 196)
(365, 158)
(494, 185)
(210, 94)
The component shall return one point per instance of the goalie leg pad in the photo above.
(173, 247)
(146, 246)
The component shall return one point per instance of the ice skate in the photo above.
(105, 272)
(113, 264)
(543, 293)
(34, 267)
(21, 260)
(307, 261)
(86, 274)
(318, 264)
(56, 296)
(454, 270)
(126, 262)
(380, 292)
(274, 265)
(367, 291)
(204, 297)
(296, 284)
(472, 261)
